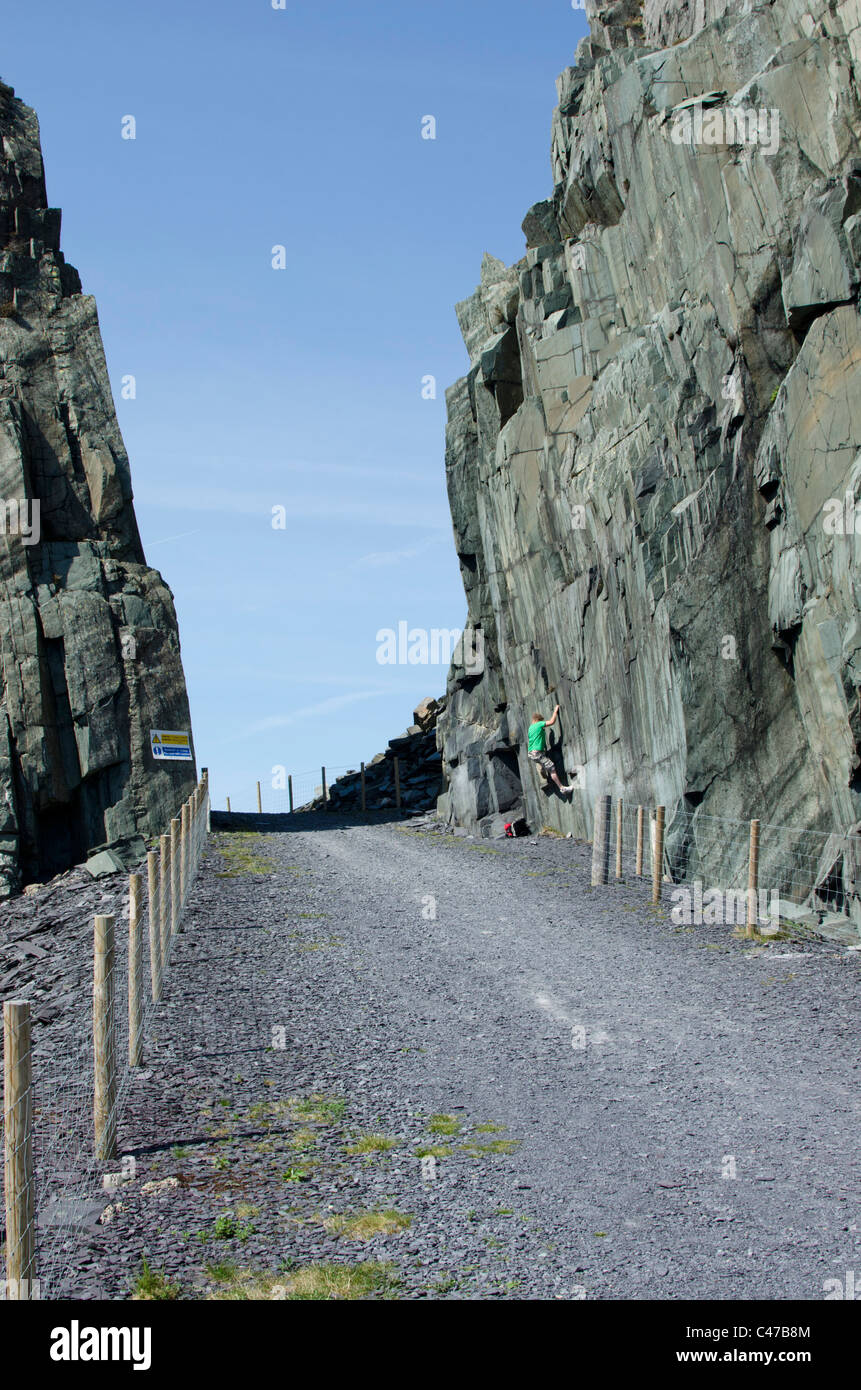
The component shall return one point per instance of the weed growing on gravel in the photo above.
(364, 1225)
(497, 1146)
(370, 1144)
(443, 1124)
(445, 1284)
(303, 1139)
(241, 854)
(320, 1109)
(269, 1111)
(221, 1161)
(153, 1285)
(228, 1227)
(490, 1129)
(295, 1174)
(433, 1151)
(313, 1282)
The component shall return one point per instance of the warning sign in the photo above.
(167, 744)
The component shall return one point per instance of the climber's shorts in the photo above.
(544, 762)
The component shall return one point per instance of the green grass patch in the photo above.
(371, 1144)
(242, 854)
(153, 1285)
(443, 1124)
(311, 1283)
(235, 1225)
(320, 1109)
(365, 1225)
(496, 1146)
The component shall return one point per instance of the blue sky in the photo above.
(301, 388)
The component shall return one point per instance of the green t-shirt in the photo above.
(536, 736)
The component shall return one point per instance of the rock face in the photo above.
(90, 646)
(419, 770)
(653, 463)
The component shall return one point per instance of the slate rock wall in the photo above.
(663, 401)
(90, 647)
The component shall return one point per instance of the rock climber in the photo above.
(538, 749)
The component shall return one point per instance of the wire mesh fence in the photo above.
(799, 875)
(284, 792)
(64, 1095)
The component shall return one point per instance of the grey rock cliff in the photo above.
(90, 647)
(662, 409)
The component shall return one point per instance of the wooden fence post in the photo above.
(397, 784)
(752, 878)
(658, 856)
(290, 791)
(639, 869)
(154, 925)
(174, 875)
(135, 1012)
(601, 841)
(19, 1175)
(228, 804)
(325, 793)
(104, 1039)
(259, 801)
(185, 856)
(619, 805)
(364, 793)
(164, 900)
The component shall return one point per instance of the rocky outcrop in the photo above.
(90, 647)
(419, 771)
(653, 463)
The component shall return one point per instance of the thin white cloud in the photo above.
(322, 708)
(182, 535)
(377, 559)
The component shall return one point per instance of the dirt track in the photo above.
(634, 1109)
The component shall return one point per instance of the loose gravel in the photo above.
(457, 1065)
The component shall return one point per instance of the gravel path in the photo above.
(618, 1107)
